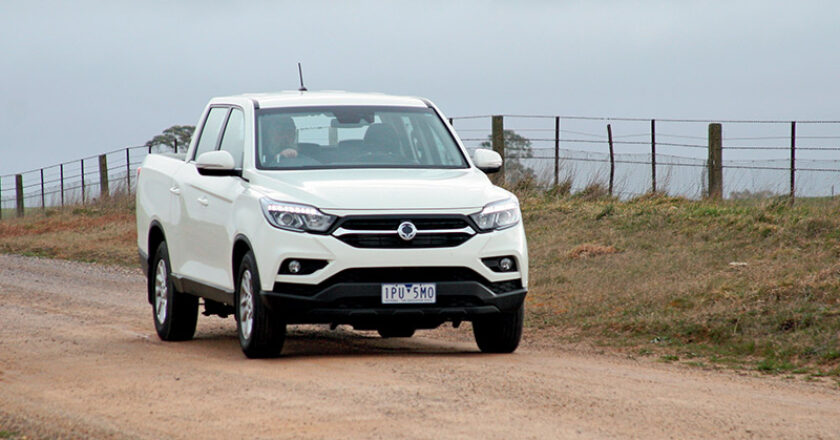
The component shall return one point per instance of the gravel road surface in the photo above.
(79, 358)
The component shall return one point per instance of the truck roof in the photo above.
(294, 98)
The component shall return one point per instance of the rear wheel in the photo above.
(175, 313)
(499, 333)
(261, 335)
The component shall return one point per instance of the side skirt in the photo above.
(203, 290)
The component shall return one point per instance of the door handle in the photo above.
(203, 201)
(175, 190)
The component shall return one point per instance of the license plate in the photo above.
(409, 293)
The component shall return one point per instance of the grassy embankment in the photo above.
(741, 284)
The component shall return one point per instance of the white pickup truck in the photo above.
(331, 208)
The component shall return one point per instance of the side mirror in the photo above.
(488, 161)
(216, 163)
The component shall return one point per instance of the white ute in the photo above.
(333, 208)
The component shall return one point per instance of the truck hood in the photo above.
(380, 189)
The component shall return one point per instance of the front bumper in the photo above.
(273, 246)
(358, 303)
(346, 289)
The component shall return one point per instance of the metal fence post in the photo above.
(792, 162)
(61, 179)
(83, 181)
(43, 201)
(612, 158)
(556, 150)
(715, 162)
(498, 142)
(127, 171)
(19, 194)
(653, 154)
(104, 193)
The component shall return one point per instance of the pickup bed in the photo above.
(332, 208)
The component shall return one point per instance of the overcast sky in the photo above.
(80, 78)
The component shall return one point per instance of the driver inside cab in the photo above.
(279, 141)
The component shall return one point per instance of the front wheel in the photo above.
(261, 335)
(499, 333)
(175, 313)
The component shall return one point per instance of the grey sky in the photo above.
(80, 78)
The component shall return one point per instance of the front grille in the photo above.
(391, 223)
(398, 275)
(389, 239)
(393, 241)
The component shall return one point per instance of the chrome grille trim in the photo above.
(341, 231)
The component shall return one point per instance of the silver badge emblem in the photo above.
(407, 231)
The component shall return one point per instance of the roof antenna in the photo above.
(300, 73)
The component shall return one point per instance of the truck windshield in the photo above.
(354, 137)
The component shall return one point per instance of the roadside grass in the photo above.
(103, 232)
(744, 284)
(747, 284)
(10, 435)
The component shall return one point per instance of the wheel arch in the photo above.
(156, 237)
(241, 246)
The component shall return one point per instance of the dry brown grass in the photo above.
(101, 233)
(587, 250)
(671, 291)
(651, 276)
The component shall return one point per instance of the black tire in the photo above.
(266, 333)
(499, 333)
(175, 313)
(396, 332)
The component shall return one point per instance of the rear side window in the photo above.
(210, 131)
(233, 141)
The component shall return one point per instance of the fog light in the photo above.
(506, 264)
(294, 266)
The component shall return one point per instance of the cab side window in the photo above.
(210, 132)
(233, 141)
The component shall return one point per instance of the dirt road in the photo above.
(79, 358)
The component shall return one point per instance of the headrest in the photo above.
(381, 134)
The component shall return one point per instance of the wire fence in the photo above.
(758, 158)
(71, 183)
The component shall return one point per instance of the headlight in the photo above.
(498, 215)
(295, 217)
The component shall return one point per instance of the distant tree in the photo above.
(175, 138)
(517, 147)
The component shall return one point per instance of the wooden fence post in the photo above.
(653, 154)
(19, 194)
(715, 162)
(612, 158)
(792, 162)
(498, 142)
(556, 150)
(104, 192)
